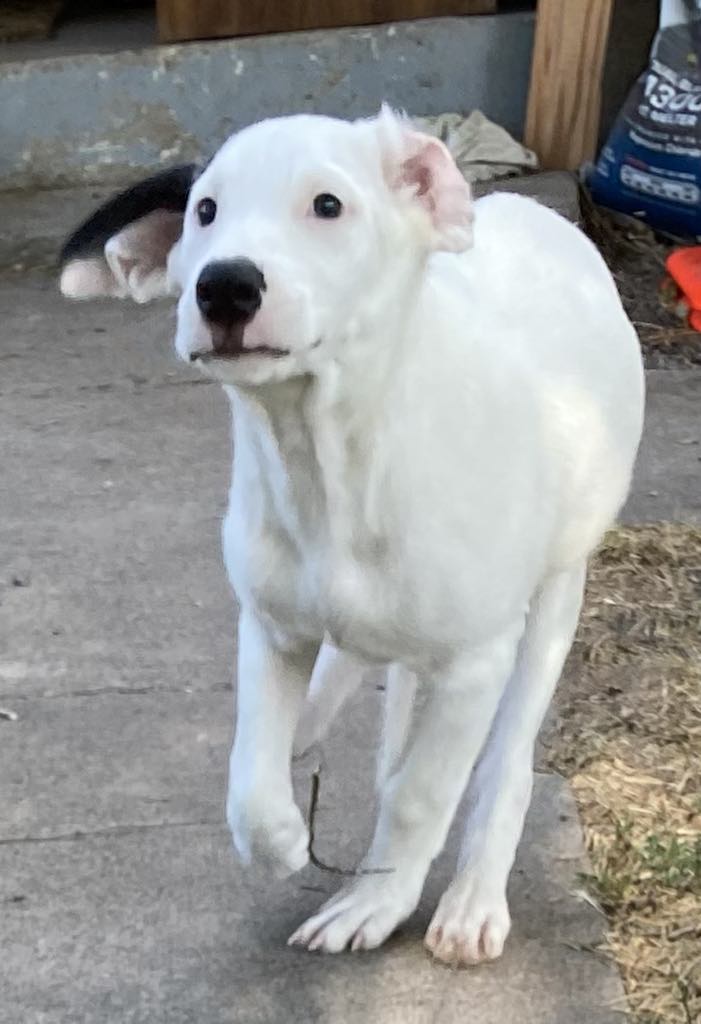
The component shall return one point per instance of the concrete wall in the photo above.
(111, 117)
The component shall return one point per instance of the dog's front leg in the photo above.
(273, 676)
(418, 801)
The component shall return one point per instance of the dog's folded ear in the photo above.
(423, 166)
(122, 249)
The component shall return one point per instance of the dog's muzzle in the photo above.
(229, 293)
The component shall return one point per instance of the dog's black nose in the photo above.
(229, 292)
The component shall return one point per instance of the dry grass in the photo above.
(626, 730)
(636, 257)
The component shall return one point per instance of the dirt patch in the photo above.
(636, 258)
(626, 731)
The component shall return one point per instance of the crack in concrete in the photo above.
(126, 691)
(114, 386)
(108, 832)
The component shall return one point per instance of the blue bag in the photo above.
(650, 166)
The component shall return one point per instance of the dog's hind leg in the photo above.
(400, 694)
(472, 920)
(336, 676)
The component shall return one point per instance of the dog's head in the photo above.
(300, 235)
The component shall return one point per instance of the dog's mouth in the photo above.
(228, 347)
(227, 344)
(212, 355)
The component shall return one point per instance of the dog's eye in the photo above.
(327, 206)
(206, 211)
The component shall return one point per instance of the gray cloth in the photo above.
(482, 149)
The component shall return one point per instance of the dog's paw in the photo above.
(274, 835)
(361, 916)
(470, 925)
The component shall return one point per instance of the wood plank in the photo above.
(564, 101)
(206, 19)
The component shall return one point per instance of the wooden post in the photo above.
(564, 100)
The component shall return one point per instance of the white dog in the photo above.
(437, 407)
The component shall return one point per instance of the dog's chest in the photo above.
(331, 536)
(318, 585)
(314, 571)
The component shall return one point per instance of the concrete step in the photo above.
(127, 113)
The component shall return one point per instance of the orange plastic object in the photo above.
(684, 266)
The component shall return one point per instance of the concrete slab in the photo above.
(109, 446)
(112, 573)
(121, 899)
(155, 924)
(557, 189)
(114, 760)
(117, 657)
(36, 221)
(667, 481)
(134, 111)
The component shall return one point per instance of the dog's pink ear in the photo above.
(423, 166)
(441, 189)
